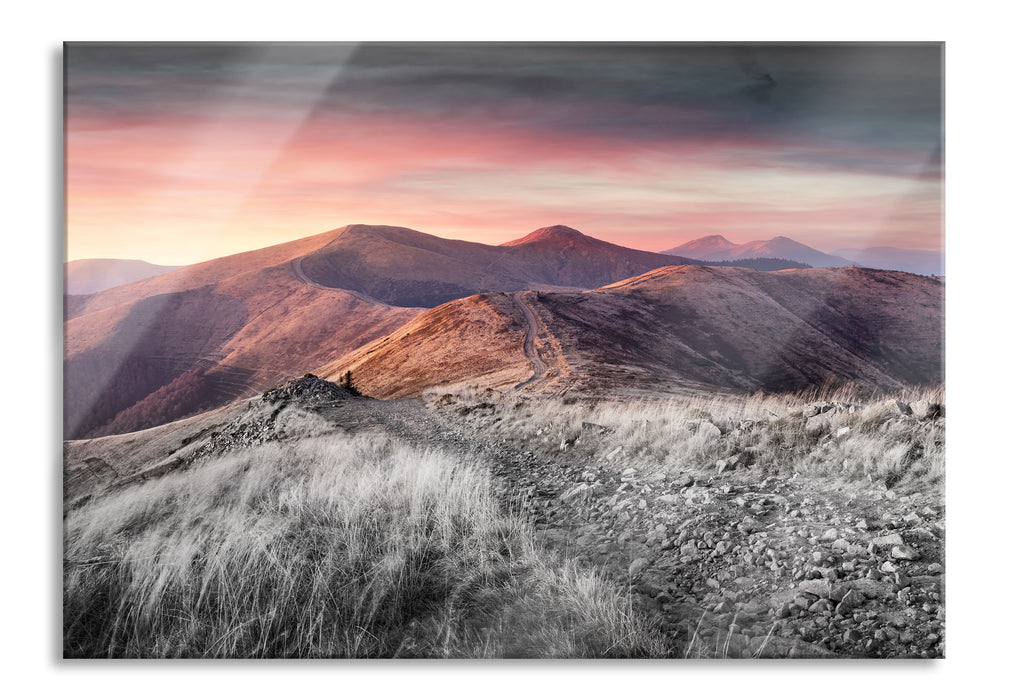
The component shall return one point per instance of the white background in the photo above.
(977, 267)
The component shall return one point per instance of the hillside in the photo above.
(195, 338)
(198, 275)
(409, 268)
(676, 328)
(95, 274)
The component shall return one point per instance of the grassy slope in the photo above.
(767, 431)
(336, 547)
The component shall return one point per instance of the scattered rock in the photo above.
(851, 601)
(904, 552)
(899, 407)
(580, 491)
(637, 566)
(707, 431)
(821, 606)
(927, 410)
(887, 541)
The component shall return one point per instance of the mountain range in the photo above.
(408, 268)
(554, 310)
(718, 248)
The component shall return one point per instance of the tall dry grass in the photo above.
(336, 547)
(765, 432)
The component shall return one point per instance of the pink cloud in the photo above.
(211, 188)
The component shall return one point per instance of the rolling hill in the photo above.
(679, 328)
(192, 339)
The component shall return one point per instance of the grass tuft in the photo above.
(763, 432)
(330, 547)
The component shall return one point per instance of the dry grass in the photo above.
(336, 547)
(765, 432)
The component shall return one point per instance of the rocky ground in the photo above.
(732, 562)
(743, 568)
(740, 565)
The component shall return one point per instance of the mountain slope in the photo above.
(563, 256)
(198, 275)
(678, 328)
(193, 339)
(409, 268)
(476, 338)
(92, 275)
(717, 248)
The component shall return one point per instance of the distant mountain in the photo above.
(921, 262)
(681, 328)
(706, 248)
(95, 274)
(718, 248)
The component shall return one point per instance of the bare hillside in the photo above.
(681, 327)
(153, 359)
(194, 338)
(409, 268)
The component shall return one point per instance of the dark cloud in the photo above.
(860, 96)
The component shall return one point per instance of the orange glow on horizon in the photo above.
(181, 192)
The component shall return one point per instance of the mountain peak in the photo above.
(550, 234)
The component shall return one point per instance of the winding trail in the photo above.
(529, 345)
(300, 274)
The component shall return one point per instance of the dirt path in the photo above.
(529, 345)
(299, 273)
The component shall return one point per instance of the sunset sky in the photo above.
(181, 153)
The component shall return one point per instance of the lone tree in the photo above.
(347, 382)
